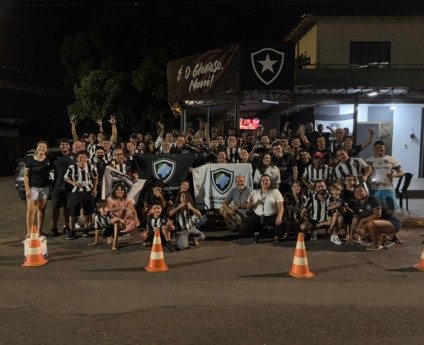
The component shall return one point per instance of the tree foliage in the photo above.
(110, 74)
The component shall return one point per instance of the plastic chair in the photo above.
(402, 190)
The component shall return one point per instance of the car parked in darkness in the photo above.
(53, 153)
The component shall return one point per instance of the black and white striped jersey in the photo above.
(312, 174)
(156, 223)
(100, 222)
(84, 176)
(354, 166)
(317, 208)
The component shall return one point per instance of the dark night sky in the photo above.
(31, 32)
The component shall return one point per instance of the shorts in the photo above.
(314, 222)
(395, 221)
(388, 196)
(60, 198)
(107, 231)
(80, 199)
(39, 193)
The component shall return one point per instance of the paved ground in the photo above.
(228, 291)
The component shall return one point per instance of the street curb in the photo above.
(413, 223)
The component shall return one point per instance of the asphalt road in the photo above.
(224, 292)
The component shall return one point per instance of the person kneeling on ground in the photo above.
(372, 217)
(314, 213)
(106, 225)
(234, 207)
(185, 230)
(268, 208)
(156, 220)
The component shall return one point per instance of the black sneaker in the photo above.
(85, 233)
(256, 237)
(65, 229)
(54, 232)
(170, 247)
(70, 235)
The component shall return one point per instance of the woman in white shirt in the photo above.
(267, 206)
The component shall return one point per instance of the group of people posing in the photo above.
(291, 175)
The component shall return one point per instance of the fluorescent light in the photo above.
(270, 102)
(372, 94)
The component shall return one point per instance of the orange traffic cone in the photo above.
(300, 268)
(157, 262)
(420, 265)
(35, 254)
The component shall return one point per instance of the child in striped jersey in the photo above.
(336, 209)
(156, 220)
(106, 225)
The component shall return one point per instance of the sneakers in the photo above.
(336, 240)
(314, 235)
(170, 246)
(77, 226)
(256, 237)
(85, 233)
(65, 229)
(70, 235)
(54, 232)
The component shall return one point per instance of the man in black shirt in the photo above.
(301, 165)
(60, 188)
(286, 165)
(203, 155)
(181, 147)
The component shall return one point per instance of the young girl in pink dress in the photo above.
(123, 208)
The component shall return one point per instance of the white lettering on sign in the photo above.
(195, 84)
(198, 71)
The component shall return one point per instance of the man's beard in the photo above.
(322, 192)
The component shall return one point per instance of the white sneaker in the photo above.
(336, 240)
(77, 226)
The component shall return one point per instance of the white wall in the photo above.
(407, 118)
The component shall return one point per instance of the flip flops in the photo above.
(372, 248)
(387, 245)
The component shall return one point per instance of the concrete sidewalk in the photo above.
(414, 217)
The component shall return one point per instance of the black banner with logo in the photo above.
(171, 169)
(267, 66)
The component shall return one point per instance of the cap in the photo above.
(318, 155)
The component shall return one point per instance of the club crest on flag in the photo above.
(267, 64)
(163, 169)
(222, 180)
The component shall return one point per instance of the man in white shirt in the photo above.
(384, 169)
